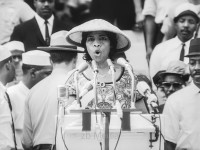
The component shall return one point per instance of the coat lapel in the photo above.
(38, 32)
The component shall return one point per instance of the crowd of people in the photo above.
(40, 42)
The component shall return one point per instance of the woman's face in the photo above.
(98, 46)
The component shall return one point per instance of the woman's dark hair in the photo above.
(62, 56)
(113, 40)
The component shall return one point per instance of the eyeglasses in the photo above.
(42, 1)
(16, 56)
(176, 85)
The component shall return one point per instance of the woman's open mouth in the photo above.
(97, 52)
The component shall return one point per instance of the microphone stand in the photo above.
(77, 89)
(133, 87)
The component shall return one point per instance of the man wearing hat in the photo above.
(41, 105)
(36, 66)
(182, 108)
(7, 74)
(186, 20)
(171, 80)
(16, 48)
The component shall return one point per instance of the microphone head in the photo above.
(61, 91)
(143, 87)
(82, 67)
(110, 62)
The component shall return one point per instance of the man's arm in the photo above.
(169, 145)
(17, 34)
(149, 28)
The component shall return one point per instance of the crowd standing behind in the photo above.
(169, 27)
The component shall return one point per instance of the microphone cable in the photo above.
(13, 125)
(161, 135)
(120, 131)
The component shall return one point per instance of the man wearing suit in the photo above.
(36, 32)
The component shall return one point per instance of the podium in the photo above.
(142, 133)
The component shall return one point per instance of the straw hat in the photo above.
(186, 9)
(36, 58)
(74, 36)
(178, 68)
(58, 42)
(4, 53)
(194, 49)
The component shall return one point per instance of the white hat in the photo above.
(15, 45)
(58, 42)
(36, 58)
(74, 36)
(4, 53)
(186, 9)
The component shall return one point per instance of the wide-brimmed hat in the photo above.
(186, 9)
(194, 49)
(178, 68)
(74, 36)
(58, 42)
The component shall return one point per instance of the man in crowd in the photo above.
(182, 108)
(36, 32)
(171, 80)
(16, 48)
(7, 74)
(36, 66)
(40, 123)
(186, 20)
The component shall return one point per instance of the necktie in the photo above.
(47, 37)
(182, 54)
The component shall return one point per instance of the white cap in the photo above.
(185, 9)
(4, 53)
(36, 58)
(15, 45)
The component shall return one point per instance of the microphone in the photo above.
(61, 95)
(88, 87)
(94, 66)
(82, 67)
(110, 64)
(122, 62)
(145, 90)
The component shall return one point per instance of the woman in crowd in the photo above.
(102, 41)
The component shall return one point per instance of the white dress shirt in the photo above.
(41, 110)
(166, 52)
(41, 24)
(6, 134)
(18, 94)
(159, 8)
(182, 119)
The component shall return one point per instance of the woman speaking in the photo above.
(106, 82)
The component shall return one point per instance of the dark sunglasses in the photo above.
(42, 1)
(176, 85)
(17, 56)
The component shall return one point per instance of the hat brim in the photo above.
(193, 54)
(74, 36)
(185, 13)
(57, 48)
(185, 77)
